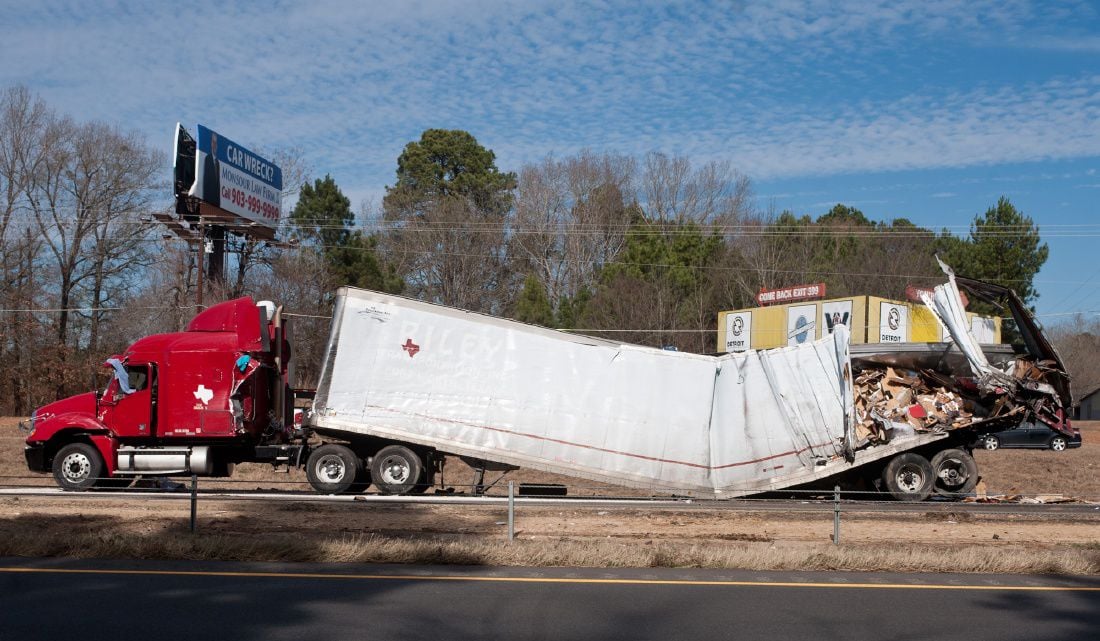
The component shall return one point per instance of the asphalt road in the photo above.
(148, 601)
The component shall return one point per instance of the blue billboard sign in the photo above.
(231, 177)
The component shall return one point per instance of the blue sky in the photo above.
(928, 110)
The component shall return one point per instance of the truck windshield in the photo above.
(125, 376)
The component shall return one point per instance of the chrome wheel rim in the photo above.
(395, 470)
(330, 468)
(952, 473)
(76, 467)
(910, 479)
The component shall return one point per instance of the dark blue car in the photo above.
(1034, 435)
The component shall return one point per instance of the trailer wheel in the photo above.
(333, 469)
(956, 473)
(909, 477)
(396, 469)
(77, 467)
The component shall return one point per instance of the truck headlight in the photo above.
(28, 426)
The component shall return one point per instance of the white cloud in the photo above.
(782, 89)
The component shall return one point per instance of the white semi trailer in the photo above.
(405, 383)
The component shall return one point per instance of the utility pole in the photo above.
(199, 261)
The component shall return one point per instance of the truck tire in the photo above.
(333, 469)
(396, 469)
(956, 473)
(77, 467)
(909, 477)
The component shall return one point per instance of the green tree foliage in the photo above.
(661, 283)
(532, 305)
(323, 215)
(356, 263)
(324, 221)
(1003, 247)
(572, 309)
(674, 253)
(449, 163)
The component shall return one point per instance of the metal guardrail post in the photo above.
(194, 500)
(511, 511)
(836, 515)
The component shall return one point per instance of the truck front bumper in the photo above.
(36, 457)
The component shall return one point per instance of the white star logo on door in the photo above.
(203, 394)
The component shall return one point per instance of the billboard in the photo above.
(801, 324)
(233, 178)
(738, 331)
(834, 313)
(893, 323)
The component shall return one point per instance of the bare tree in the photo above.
(300, 281)
(1078, 342)
(87, 197)
(23, 122)
(571, 218)
(711, 195)
(451, 252)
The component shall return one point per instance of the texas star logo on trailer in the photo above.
(410, 347)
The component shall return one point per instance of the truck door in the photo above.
(127, 406)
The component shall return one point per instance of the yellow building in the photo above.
(871, 320)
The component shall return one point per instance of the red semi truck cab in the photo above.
(191, 402)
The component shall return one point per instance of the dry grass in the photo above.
(89, 541)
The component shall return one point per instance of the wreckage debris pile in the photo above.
(887, 397)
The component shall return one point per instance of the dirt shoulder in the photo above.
(360, 531)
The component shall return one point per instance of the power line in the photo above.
(807, 273)
(668, 227)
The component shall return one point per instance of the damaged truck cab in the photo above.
(191, 402)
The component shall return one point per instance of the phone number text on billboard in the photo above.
(250, 203)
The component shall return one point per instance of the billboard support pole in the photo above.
(198, 261)
(216, 264)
